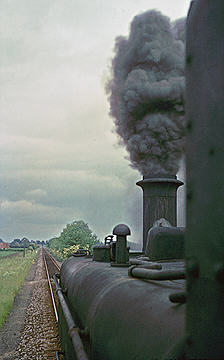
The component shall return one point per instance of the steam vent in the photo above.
(159, 201)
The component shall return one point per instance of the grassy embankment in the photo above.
(13, 272)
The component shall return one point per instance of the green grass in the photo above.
(7, 252)
(13, 272)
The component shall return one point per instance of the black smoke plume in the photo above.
(146, 93)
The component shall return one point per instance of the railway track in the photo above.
(51, 267)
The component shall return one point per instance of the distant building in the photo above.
(4, 246)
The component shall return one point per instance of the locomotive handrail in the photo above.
(72, 328)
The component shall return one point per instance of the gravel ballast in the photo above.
(30, 331)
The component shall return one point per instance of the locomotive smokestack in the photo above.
(159, 201)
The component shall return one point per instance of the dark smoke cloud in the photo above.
(146, 93)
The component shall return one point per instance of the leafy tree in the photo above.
(54, 243)
(32, 247)
(16, 243)
(25, 242)
(76, 233)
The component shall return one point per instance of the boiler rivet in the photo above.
(189, 195)
(189, 125)
(219, 272)
(189, 59)
(189, 340)
(193, 269)
(211, 151)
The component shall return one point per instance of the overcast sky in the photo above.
(60, 160)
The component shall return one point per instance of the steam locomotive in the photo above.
(123, 305)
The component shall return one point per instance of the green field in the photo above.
(13, 271)
(7, 252)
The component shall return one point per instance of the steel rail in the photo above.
(52, 259)
(51, 290)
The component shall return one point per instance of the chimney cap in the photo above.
(121, 230)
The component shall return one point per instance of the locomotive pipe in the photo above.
(72, 328)
(143, 273)
(159, 201)
(145, 264)
(179, 297)
(204, 245)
